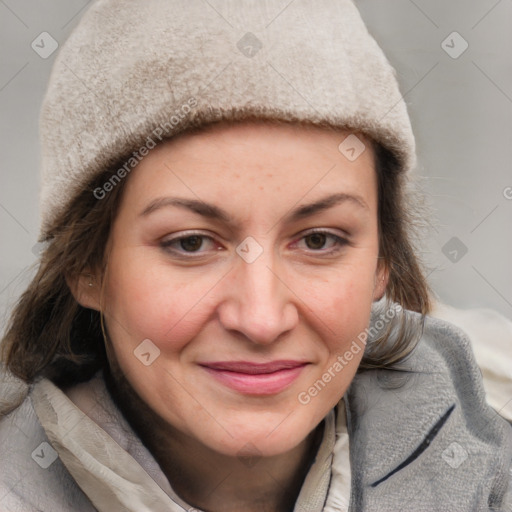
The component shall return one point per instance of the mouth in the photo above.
(258, 379)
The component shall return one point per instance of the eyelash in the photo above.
(340, 242)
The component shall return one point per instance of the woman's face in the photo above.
(243, 265)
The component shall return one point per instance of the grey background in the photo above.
(461, 111)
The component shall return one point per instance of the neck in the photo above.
(210, 480)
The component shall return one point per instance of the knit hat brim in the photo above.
(150, 69)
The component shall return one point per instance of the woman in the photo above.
(229, 313)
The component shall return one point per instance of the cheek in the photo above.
(149, 301)
(342, 304)
(341, 308)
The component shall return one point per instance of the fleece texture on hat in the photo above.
(134, 72)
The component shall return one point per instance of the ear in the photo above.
(381, 280)
(86, 289)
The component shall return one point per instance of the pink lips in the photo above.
(255, 378)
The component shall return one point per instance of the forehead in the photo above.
(252, 162)
(285, 138)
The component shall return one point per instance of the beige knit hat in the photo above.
(136, 71)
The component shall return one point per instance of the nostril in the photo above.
(256, 304)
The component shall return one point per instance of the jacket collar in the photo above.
(425, 438)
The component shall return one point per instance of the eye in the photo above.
(189, 243)
(321, 241)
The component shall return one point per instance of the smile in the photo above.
(254, 378)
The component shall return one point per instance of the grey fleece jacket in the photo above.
(424, 440)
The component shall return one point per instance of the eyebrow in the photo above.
(213, 212)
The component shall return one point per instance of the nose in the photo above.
(258, 303)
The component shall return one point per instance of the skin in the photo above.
(304, 298)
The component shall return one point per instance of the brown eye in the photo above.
(315, 240)
(321, 243)
(191, 243)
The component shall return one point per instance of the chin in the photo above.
(264, 438)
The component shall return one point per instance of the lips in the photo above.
(255, 378)
(253, 368)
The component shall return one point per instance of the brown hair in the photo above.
(50, 334)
